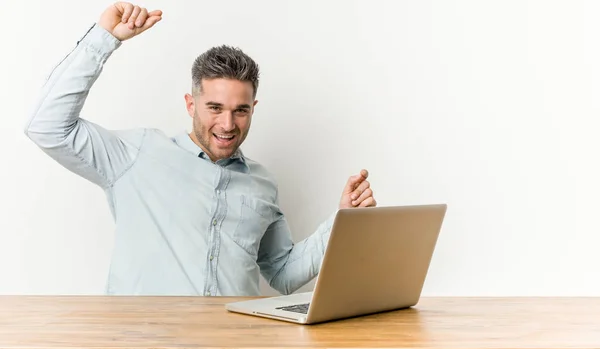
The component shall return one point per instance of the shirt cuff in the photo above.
(100, 41)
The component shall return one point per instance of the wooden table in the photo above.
(202, 322)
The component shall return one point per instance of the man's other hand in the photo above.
(125, 20)
(357, 192)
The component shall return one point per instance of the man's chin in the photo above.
(224, 153)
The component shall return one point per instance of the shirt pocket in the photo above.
(255, 218)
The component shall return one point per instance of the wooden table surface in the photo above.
(202, 322)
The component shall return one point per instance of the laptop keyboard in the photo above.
(297, 308)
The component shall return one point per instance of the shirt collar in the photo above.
(185, 142)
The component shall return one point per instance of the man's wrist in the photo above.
(100, 41)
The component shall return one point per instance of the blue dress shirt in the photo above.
(184, 225)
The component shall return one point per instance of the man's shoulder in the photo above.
(264, 179)
(139, 135)
(255, 168)
(149, 140)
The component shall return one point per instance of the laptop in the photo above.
(376, 260)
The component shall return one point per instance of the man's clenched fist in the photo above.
(125, 20)
(358, 192)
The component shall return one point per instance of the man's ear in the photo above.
(190, 104)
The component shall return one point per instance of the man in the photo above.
(194, 215)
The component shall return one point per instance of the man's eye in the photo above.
(242, 111)
(214, 108)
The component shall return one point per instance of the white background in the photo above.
(489, 106)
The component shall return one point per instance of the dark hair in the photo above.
(224, 62)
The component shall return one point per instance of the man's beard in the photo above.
(199, 132)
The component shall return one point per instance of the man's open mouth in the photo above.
(224, 139)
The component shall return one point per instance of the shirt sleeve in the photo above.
(55, 126)
(287, 266)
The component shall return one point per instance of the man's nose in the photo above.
(227, 123)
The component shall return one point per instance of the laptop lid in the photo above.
(376, 260)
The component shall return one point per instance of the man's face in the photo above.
(222, 113)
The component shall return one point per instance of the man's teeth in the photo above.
(224, 136)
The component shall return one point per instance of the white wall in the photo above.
(490, 107)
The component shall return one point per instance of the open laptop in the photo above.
(376, 260)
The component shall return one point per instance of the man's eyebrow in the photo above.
(217, 104)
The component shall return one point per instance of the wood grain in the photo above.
(202, 322)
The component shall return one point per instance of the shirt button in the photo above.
(214, 222)
(208, 293)
(211, 257)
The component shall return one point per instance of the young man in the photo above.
(194, 215)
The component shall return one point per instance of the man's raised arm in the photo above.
(81, 146)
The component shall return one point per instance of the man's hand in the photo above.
(357, 192)
(124, 20)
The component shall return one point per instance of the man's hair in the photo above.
(224, 62)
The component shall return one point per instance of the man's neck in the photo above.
(197, 142)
